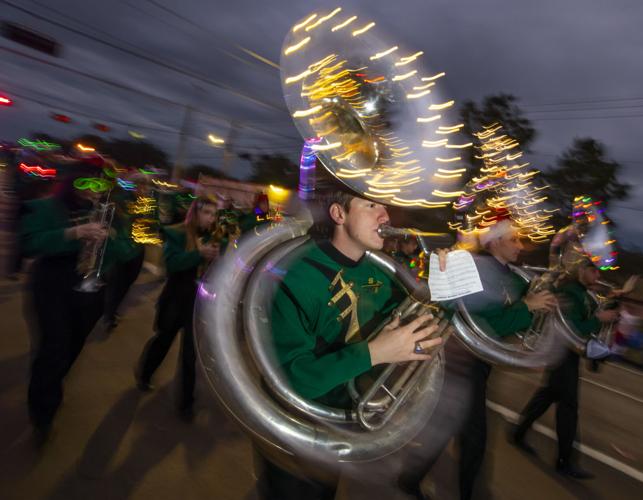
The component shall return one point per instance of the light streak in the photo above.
(408, 59)
(344, 24)
(297, 46)
(399, 78)
(324, 19)
(304, 23)
(444, 105)
(364, 29)
(307, 112)
(428, 119)
(434, 77)
(384, 53)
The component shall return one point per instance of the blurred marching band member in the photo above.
(408, 254)
(260, 214)
(188, 247)
(507, 307)
(52, 233)
(503, 307)
(561, 387)
(124, 256)
(324, 309)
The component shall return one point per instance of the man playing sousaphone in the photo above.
(504, 307)
(329, 301)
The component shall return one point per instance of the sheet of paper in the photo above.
(460, 278)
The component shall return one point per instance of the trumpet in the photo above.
(90, 264)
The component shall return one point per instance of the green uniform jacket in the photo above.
(323, 310)
(42, 229)
(579, 308)
(121, 247)
(499, 305)
(177, 258)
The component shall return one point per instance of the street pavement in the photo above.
(111, 441)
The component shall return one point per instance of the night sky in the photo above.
(575, 65)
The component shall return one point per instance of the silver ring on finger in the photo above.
(418, 348)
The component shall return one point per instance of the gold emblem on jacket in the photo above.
(340, 289)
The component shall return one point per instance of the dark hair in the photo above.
(328, 193)
(192, 221)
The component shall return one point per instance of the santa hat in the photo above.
(496, 231)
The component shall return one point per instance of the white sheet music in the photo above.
(460, 278)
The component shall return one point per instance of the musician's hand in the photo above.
(539, 301)
(208, 251)
(607, 315)
(90, 231)
(442, 258)
(397, 343)
(627, 287)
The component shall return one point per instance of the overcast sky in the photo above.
(575, 65)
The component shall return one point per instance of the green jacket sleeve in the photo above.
(312, 376)
(42, 230)
(177, 258)
(508, 320)
(576, 311)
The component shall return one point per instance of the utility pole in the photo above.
(228, 151)
(181, 150)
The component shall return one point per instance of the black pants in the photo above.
(457, 413)
(473, 438)
(120, 279)
(174, 313)
(275, 483)
(64, 319)
(562, 389)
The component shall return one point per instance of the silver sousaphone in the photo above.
(384, 130)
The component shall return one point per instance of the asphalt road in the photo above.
(112, 442)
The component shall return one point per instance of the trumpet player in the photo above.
(561, 385)
(54, 231)
(328, 302)
(187, 249)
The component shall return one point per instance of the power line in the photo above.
(123, 86)
(557, 155)
(587, 101)
(577, 118)
(605, 108)
(150, 59)
(210, 32)
(237, 149)
(626, 207)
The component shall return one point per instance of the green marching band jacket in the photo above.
(323, 310)
(177, 258)
(43, 229)
(121, 246)
(499, 307)
(579, 308)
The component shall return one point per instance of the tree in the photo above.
(498, 108)
(273, 169)
(193, 171)
(584, 169)
(133, 153)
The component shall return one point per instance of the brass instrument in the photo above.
(90, 263)
(375, 135)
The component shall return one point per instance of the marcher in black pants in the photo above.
(63, 316)
(119, 280)
(562, 382)
(187, 249)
